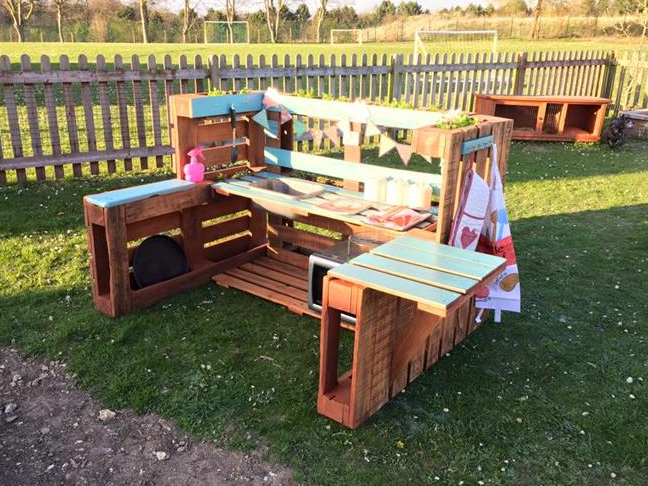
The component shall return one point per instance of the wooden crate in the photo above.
(215, 233)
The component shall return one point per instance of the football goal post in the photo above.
(454, 41)
(224, 32)
(346, 36)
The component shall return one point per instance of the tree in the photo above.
(273, 12)
(513, 7)
(302, 14)
(410, 8)
(143, 6)
(320, 13)
(20, 12)
(386, 8)
(230, 15)
(59, 6)
(537, 13)
(189, 19)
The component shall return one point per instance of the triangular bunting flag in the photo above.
(360, 111)
(285, 116)
(300, 127)
(317, 135)
(386, 144)
(344, 125)
(271, 98)
(428, 158)
(404, 152)
(333, 135)
(372, 130)
(352, 139)
(262, 119)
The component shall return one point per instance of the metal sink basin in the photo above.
(289, 188)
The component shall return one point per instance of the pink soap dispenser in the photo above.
(194, 171)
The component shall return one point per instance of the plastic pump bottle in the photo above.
(194, 171)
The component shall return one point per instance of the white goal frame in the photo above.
(227, 23)
(419, 47)
(359, 34)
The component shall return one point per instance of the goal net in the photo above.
(346, 36)
(454, 41)
(224, 32)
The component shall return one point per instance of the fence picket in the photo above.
(154, 104)
(12, 117)
(32, 116)
(120, 92)
(104, 101)
(70, 115)
(88, 115)
(138, 102)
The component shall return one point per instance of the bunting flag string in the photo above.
(428, 158)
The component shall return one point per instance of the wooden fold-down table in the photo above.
(412, 299)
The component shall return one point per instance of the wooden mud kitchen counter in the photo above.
(267, 221)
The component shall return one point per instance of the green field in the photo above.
(109, 50)
(543, 398)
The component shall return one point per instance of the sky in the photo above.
(360, 5)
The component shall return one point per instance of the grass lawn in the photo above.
(54, 49)
(543, 398)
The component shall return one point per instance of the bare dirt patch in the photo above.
(51, 433)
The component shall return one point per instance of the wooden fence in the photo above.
(85, 118)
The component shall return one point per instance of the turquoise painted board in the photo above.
(220, 105)
(137, 193)
(400, 287)
(477, 144)
(409, 271)
(341, 169)
(379, 115)
(451, 251)
(433, 260)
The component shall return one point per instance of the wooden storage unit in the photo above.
(572, 118)
(215, 233)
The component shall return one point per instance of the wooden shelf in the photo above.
(276, 277)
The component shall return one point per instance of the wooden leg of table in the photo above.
(372, 354)
(411, 340)
(116, 243)
(192, 238)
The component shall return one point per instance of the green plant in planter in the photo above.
(459, 121)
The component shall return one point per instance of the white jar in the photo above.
(375, 189)
(397, 192)
(420, 196)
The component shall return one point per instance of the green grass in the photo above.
(242, 372)
(53, 49)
